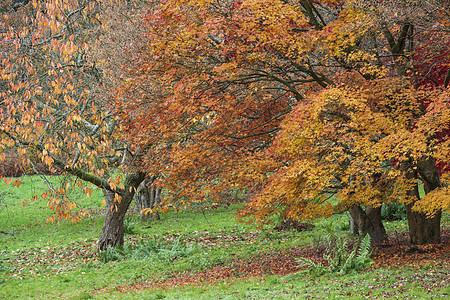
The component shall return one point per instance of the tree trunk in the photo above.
(112, 231)
(353, 227)
(369, 222)
(423, 230)
(148, 197)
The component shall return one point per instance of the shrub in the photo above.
(163, 251)
(13, 166)
(111, 254)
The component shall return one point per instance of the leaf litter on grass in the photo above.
(47, 260)
(395, 254)
(51, 260)
(399, 252)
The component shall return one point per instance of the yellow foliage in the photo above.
(350, 141)
(435, 201)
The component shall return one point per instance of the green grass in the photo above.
(25, 219)
(392, 284)
(54, 261)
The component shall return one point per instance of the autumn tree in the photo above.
(218, 77)
(52, 110)
(359, 143)
(397, 53)
(216, 93)
(426, 59)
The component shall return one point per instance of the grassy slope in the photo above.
(42, 261)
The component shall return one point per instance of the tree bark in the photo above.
(353, 227)
(423, 230)
(369, 222)
(148, 197)
(112, 231)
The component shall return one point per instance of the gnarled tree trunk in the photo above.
(423, 230)
(369, 221)
(112, 231)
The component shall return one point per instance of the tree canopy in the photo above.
(346, 88)
(52, 107)
(294, 101)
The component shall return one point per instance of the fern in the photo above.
(313, 268)
(363, 259)
(339, 259)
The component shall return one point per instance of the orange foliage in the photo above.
(212, 83)
(50, 113)
(295, 101)
(348, 141)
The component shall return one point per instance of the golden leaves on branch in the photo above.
(49, 113)
(435, 201)
(350, 141)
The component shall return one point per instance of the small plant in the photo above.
(324, 243)
(163, 251)
(111, 254)
(156, 249)
(339, 259)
